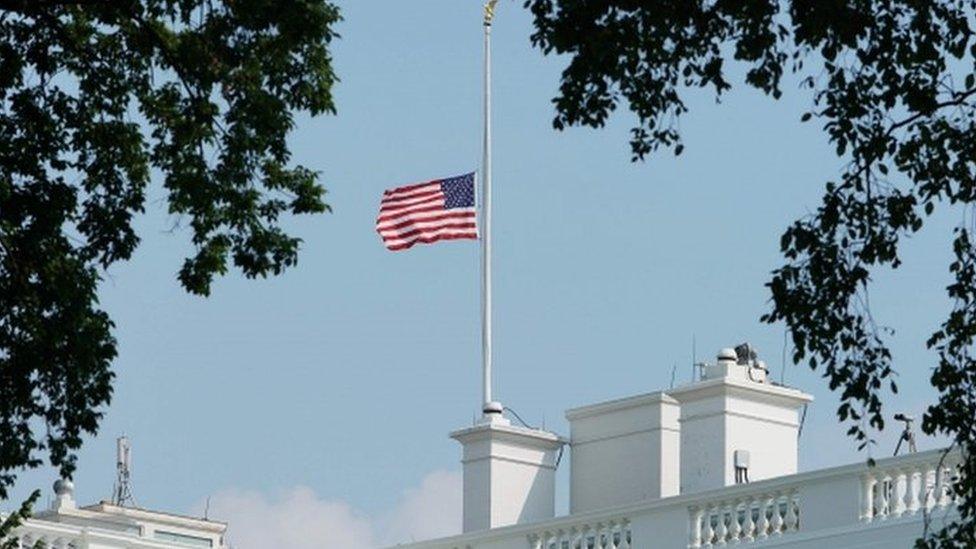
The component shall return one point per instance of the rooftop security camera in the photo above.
(745, 354)
(907, 435)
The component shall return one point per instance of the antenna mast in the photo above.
(122, 491)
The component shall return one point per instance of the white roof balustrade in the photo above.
(856, 505)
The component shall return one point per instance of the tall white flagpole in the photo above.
(489, 406)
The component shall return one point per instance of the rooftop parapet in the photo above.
(105, 525)
(852, 506)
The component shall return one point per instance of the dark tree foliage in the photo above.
(94, 97)
(893, 84)
(15, 519)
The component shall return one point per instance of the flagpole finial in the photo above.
(489, 11)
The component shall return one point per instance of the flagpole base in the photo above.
(492, 408)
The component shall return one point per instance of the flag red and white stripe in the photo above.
(442, 209)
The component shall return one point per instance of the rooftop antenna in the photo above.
(782, 374)
(697, 368)
(907, 435)
(122, 491)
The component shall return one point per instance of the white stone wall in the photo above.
(623, 451)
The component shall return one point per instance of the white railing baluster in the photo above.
(602, 534)
(791, 521)
(735, 527)
(884, 496)
(765, 501)
(625, 534)
(914, 485)
(744, 519)
(900, 492)
(777, 523)
(947, 488)
(906, 489)
(749, 523)
(723, 524)
(867, 493)
(695, 530)
(709, 526)
(928, 486)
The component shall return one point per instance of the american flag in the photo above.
(442, 209)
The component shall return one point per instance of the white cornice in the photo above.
(108, 513)
(619, 404)
(774, 394)
(521, 435)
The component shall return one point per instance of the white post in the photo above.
(489, 406)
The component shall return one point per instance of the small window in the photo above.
(183, 539)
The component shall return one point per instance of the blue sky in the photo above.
(345, 375)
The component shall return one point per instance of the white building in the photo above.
(108, 526)
(712, 463)
(709, 464)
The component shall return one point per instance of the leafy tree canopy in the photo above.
(11, 522)
(96, 96)
(894, 86)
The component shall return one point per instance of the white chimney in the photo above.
(623, 451)
(509, 474)
(736, 425)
